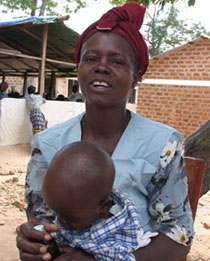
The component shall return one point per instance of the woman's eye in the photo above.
(90, 59)
(118, 62)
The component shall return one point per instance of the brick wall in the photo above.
(16, 83)
(61, 86)
(185, 108)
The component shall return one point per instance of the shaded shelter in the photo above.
(37, 46)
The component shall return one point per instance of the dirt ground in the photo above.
(13, 161)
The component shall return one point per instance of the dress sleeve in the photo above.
(168, 201)
(36, 169)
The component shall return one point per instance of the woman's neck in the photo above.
(104, 127)
(106, 122)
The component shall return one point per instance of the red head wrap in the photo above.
(126, 21)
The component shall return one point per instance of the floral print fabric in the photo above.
(164, 209)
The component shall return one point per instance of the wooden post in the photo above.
(52, 85)
(42, 66)
(4, 77)
(25, 83)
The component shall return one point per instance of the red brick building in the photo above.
(176, 87)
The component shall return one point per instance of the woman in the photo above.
(112, 56)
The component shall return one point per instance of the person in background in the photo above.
(3, 90)
(14, 94)
(112, 56)
(76, 95)
(33, 102)
(77, 172)
(48, 96)
(61, 97)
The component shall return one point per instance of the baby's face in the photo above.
(77, 219)
(74, 210)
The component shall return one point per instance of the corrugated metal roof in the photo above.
(25, 20)
(21, 46)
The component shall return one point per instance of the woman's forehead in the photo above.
(106, 41)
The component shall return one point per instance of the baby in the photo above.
(90, 215)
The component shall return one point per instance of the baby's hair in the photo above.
(81, 165)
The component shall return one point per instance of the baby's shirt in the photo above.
(115, 238)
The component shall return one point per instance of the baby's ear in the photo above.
(105, 206)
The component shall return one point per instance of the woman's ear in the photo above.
(137, 78)
(105, 206)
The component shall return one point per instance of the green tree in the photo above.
(165, 31)
(146, 3)
(41, 7)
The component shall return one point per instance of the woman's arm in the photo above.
(162, 248)
(169, 207)
(36, 170)
(30, 241)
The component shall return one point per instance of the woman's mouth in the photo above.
(100, 84)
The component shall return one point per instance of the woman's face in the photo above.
(106, 70)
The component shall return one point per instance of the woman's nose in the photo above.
(102, 67)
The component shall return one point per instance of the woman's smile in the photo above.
(100, 86)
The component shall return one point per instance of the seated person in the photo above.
(61, 97)
(3, 89)
(15, 95)
(147, 154)
(89, 214)
(76, 95)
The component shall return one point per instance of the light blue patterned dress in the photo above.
(149, 167)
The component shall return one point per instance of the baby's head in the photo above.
(78, 183)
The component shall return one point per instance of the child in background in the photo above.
(90, 215)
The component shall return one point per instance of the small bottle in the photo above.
(51, 245)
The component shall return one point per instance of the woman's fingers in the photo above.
(29, 232)
(29, 247)
(27, 238)
(50, 227)
(31, 242)
(29, 257)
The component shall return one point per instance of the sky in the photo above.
(79, 21)
(200, 12)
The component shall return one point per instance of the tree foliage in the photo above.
(165, 31)
(42, 7)
(146, 3)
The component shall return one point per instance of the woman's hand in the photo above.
(30, 241)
